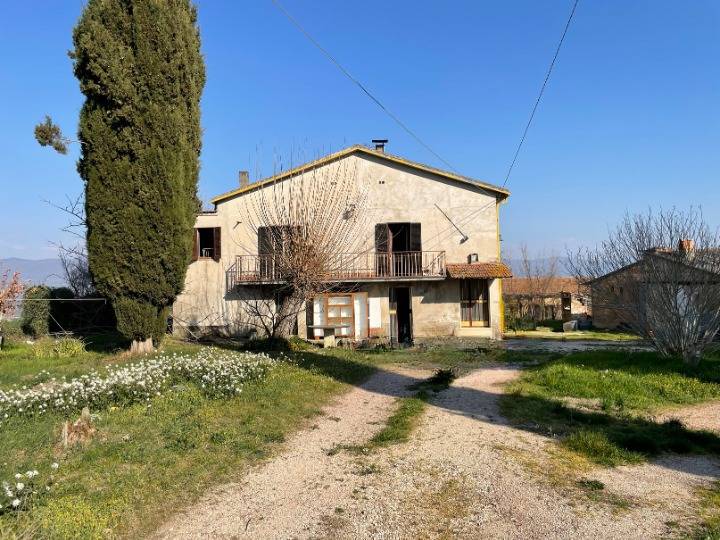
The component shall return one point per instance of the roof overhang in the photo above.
(499, 192)
(479, 270)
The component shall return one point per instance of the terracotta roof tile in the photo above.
(479, 270)
(551, 285)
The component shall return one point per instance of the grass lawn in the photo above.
(590, 335)
(147, 460)
(599, 402)
(19, 366)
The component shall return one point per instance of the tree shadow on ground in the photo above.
(604, 438)
(106, 341)
(645, 363)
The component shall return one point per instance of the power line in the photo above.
(542, 89)
(360, 85)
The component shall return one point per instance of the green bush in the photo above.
(11, 329)
(36, 311)
(63, 347)
(519, 324)
(555, 325)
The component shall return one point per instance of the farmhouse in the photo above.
(546, 298)
(427, 263)
(628, 295)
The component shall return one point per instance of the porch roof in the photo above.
(478, 270)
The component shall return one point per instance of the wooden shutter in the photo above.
(264, 241)
(216, 243)
(382, 232)
(415, 240)
(196, 246)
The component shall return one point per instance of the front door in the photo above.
(400, 315)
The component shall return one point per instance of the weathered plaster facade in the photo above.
(398, 191)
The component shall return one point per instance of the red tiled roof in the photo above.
(479, 270)
(549, 285)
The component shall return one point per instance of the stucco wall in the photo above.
(396, 193)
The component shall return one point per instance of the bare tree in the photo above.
(308, 231)
(537, 274)
(659, 274)
(76, 271)
(11, 288)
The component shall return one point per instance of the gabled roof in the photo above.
(499, 192)
(667, 255)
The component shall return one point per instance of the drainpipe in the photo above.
(501, 303)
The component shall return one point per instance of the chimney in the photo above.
(686, 245)
(244, 178)
(380, 144)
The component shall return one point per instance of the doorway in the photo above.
(401, 315)
(398, 248)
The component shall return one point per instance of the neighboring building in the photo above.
(430, 265)
(622, 294)
(546, 298)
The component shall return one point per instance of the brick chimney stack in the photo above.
(244, 178)
(380, 144)
(686, 245)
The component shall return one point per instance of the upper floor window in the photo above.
(275, 239)
(207, 243)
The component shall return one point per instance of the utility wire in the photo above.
(542, 89)
(360, 85)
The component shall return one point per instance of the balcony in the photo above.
(347, 267)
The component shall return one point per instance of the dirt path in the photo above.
(705, 416)
(463, 475)
(285, 497)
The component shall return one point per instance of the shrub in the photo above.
(519, 324)
(12, 329)
(36, 311)
(553, 324)
(63, 347)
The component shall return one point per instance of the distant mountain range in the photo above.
(36, 271)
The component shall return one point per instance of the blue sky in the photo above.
(630, 119)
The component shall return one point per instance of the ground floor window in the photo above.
(474, 302)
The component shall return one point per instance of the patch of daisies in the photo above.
(18, 494)
(218, 373)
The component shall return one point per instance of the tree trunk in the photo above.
(141, 347)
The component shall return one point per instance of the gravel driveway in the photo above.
(464, 474)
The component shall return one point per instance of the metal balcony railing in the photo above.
(344, 267)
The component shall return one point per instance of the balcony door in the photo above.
(398, 248)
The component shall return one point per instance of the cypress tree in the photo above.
(140, 68)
